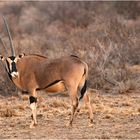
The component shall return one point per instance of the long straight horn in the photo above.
(4, 46)
(9, 35)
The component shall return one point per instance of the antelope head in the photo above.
(10, 62)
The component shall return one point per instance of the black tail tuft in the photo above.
(83, 90)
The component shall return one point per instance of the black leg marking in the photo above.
(33, 99)
(32, 116)
(14, 67)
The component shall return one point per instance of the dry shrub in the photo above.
(113, 52)
(57, 103)
(127, 86)
(7, 112)
(98, 32)
(108, 116)
(130, 10)
(139, 110)
(25, 97)
(21, 107)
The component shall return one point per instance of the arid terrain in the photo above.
(106, 35)
(115, 116)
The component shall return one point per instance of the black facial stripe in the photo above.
(32, 99)
(8, 66)
(12, 58)
(14, 69)
(11, 66)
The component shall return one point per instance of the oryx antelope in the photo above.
(34, 72)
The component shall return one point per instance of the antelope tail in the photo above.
(83, 90)
(85, 75)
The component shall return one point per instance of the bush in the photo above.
(101, 33)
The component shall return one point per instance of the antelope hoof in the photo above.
(33, 125)
(90, 124)
(78, 110)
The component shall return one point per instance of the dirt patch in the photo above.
(115, 116)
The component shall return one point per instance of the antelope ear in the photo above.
(2, 58)
(21, 55)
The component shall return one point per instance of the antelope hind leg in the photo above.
(73, 111)
(88, 104)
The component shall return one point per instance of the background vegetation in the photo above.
(104, 34)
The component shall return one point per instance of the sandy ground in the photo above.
(115, 116)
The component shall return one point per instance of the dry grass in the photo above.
(25, 97)
(111, 112)
(7, 111)
(57, 103)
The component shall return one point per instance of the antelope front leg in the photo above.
(33, 106)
